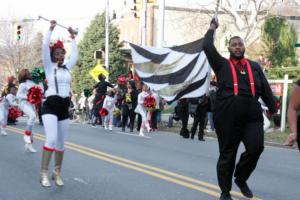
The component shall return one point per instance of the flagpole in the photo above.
(107, 39)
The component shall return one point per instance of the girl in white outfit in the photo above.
(109, 105)
(140, 109)
(25, 84)
(5, 102)
(55, 111)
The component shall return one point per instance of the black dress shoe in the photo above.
(244, 188)
(192, 136)
(225, 196)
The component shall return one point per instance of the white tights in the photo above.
(56, 132)
(3, 116)
(29, 110)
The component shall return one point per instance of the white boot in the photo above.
(27, 139)
(141, 132)
(110, 127)
(148, 127)
(3, 132)
(29, 148)
(105, 127)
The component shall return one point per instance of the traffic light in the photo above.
(18, 32)
(137, 7)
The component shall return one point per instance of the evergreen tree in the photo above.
(279, 39)
(94, 39)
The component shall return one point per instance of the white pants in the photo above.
(29, 110)
(108, 118)
(56, 132)
(3, 115)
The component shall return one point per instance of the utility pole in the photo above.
(107, 39)
(144, 23)
(161, 23)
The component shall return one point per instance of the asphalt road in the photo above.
(110, 165)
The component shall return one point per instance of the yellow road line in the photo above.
(129, 164)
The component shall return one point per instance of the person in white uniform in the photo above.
(5, 102)
(28, 108)
(55, 113)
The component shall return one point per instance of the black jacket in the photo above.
(222, 69)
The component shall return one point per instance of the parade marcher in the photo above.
(139, 88)
(5, 91)
(130, 103)
(293, 119)
(109, 105)
(153, 116)
(101, 89)
(237, 115)
(91, 104)
(56, 107)
(199, 117)
(28, 108)
(140, 109)
(5, 103)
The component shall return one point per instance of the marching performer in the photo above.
(238, 114)
(5, 102)
(109, 105)
(140, 109)
(130, 103)
(55, 113)
(26, 106)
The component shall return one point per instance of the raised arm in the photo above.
(46, 50)
(213, 56)
(74, 51)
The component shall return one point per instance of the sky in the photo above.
(76, 14)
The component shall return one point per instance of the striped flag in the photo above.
(174, 73)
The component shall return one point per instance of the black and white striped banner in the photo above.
(174, 73)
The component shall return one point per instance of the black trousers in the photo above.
(128, 113)
(154, 119)
(238, 119)
(139, 122)
(199, 119)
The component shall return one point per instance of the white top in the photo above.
(8, 100)
(91, 101)
(109, 103)
(82, 101)
(63, 75)
(23, 89)
(11, 99)
(141, 97)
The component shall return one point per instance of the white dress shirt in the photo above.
(62, 74)
(23, 89)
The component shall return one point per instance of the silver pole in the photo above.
(284, 102)
(144, 23)
(161, 24)
(107, 38)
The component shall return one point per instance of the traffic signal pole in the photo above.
(161, 23)
(107, 39)
(144, 23)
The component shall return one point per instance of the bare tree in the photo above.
(17, 54)
(247, 16)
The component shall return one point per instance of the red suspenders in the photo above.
(235, 80)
